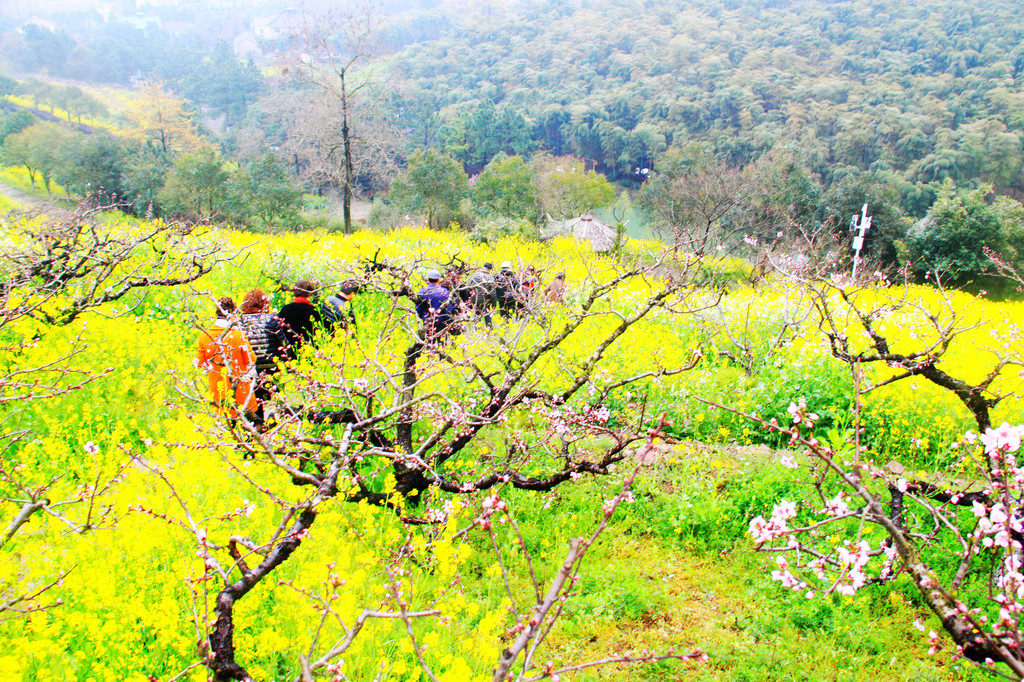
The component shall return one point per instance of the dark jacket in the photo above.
(338, 312)
(482, 291)
(507, 290)
(436, 308)
(298, 322)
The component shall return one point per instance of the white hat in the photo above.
(506, 265)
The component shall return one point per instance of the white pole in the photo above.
(860, 225)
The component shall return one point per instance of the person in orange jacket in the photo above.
(224, 354)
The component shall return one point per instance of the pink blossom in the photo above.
(933, 639)
(1004, 439)
(837, 505)
(788, 462)
(783, 575)
(757, 526)
(851, 582)
(818, 566)
(784, 511)
(764, 531)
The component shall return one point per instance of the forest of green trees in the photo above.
(915, 93)
(804, 110)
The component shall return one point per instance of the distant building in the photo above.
(142, 22)
(586, 227)
(279, 26)
(246, 46)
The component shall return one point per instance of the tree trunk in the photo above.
(347, 142)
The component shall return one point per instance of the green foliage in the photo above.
(269, 191)
(951, 238)
(505, 188)
(475, 137)
(385, 215)
(846, 197)
(8, 86)
(222, 84)
(42, 149)
(14, 122)
(433, 186)
(495, 229)
(618, 82)
(92, 167)
(566, 190)
(215, 80)
(197, 185)
(142, 176)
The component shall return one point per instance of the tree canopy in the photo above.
(911, 94)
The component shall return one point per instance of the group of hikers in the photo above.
(241, 352)
(476, 298)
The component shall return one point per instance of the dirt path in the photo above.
(20, 197)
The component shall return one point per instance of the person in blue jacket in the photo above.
(435, 307)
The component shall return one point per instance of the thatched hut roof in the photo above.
(600, 236)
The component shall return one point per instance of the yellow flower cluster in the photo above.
(135, 601)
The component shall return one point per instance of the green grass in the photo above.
(676, 570)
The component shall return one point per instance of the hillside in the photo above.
(914, 93)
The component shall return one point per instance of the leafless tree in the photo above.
(823, 543)
(886, 332)
(344, 133)
(1004, 268)
(409, 416)
(56, 269)
(859, 319)
(752, 334)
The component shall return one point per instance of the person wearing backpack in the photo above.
(296, 322)
(337, 309)
(483, 295)
(507, 290)
(224, 355)
(258, 325)
(435, 307)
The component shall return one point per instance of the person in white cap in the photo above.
(435, 307)
(507, 290)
